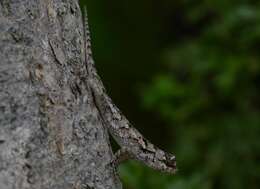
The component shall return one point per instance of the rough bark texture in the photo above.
(51, 135)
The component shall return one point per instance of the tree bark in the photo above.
(51, 134)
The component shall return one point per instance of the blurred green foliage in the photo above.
(188, 74)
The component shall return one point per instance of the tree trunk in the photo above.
(51, 134)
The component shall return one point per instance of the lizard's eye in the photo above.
(172, 158)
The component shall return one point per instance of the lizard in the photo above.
(133, 144)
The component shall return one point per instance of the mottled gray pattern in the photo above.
(133, 144)
(54, 111)
(51, 134)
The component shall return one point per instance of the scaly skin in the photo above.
(133, 144)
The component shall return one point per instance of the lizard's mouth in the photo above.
(170, 162)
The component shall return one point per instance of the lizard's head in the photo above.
(166, 162)
(170, 162)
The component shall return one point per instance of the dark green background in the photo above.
(187, 75)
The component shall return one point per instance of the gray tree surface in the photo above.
(51, 135)
(53, 109)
